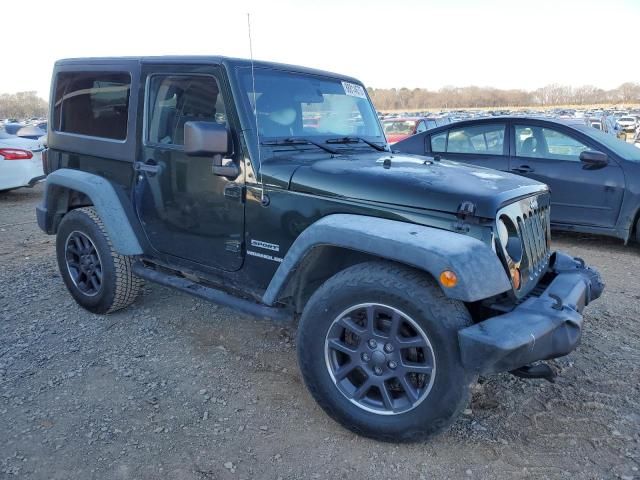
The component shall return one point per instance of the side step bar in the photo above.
(212, 294)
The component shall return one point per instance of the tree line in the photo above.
(22, 105)
(475, 97)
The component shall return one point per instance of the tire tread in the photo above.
(127, 285)
(453, 313)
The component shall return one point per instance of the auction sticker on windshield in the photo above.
(354, 90)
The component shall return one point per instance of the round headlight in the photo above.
(509, 238)
(503, 233)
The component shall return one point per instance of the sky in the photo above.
(390, 43)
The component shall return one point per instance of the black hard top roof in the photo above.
(199, 59)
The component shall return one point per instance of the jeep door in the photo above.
(186, 211)
(580, 194)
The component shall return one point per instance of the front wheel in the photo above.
(378, 350)
(98, 278)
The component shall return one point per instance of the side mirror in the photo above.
(594, 159)
(206, 139)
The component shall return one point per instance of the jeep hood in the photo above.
(406, 180)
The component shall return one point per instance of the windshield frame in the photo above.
(243, 104)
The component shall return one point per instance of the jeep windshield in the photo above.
(309, 107)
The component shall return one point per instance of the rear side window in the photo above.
(92, 103)
(476, 139)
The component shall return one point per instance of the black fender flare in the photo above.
(480, 273)
(105, 200)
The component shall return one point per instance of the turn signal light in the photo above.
(515, 277)
(448, 279)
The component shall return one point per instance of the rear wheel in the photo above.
(378, 350)
(97, 277)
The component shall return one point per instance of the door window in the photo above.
(539, 142)
(487, 139)
(439, 142)
(177, 99)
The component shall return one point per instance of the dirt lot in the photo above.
(176, 388)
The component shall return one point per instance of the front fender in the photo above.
(105, 200)
(480, 273)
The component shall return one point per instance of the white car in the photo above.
(20, 162)
(628, 123)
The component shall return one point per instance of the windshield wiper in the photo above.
(300, 141)
(380, 148)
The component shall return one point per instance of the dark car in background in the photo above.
(594, 177)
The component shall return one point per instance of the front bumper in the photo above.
(540, 328)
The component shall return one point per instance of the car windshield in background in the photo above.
(301, 105)
(401, 127)
(620, 147)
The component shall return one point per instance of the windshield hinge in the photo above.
(466, 209)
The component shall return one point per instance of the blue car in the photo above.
(594, 177)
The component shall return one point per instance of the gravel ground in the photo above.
(173, 387)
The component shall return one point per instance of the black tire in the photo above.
(637, 234)
(118, 287)
(416, 295)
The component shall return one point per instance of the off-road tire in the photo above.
(418, 295)
(119, 287)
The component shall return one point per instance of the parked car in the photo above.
(594, 177)
(397, 129)
(596, 122)
(604, 123)
(12, 127)
(20, 162)
(31, 132)
(402, 127)
(636, 141)
(612, 128)
(409, 277)
(628, 123)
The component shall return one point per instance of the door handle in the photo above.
(523, 169)
(146, 167)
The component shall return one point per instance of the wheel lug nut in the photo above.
(373, 343)
(388, 348)
(377, 370)
(392, 365)
(366, 357)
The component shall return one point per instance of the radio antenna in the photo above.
(255, 113)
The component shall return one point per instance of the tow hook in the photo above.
(536, 370)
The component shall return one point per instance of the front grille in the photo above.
(534, 229)
(532, 220)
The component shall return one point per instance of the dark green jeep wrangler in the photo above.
(271, 189)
